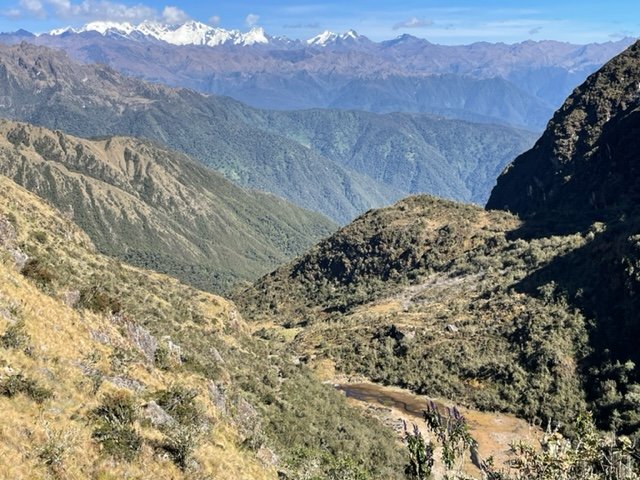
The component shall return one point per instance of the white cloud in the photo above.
(174, 15)
(413, 22)
(32, 7)
(87, 10)
(214, 21)
(251, 19)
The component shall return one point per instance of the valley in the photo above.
(372, 259)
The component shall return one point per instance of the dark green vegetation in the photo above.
(585, 164)
(537, 315)
(155, 208)
(19, 384)
(336, 163)
(223, 377)
(421, 295)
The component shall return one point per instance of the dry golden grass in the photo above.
(64, 341)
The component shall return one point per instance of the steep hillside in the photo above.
(44, 87)
(107, 371)
(410, 153)
(584, 170)
(536, 315)
(452, 301)
(422, 295)
(257, 148)
(586, 160)
(159, 209)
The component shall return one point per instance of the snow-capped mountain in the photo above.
(197, 33)
(327, 38)
(188, 33)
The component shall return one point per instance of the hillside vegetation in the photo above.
(339, 164)
(422, 295)
(108, 371)
(535, 315)
(159, 209)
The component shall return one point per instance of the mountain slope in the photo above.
(585, 161)
(421, 295)
(536, 315)
(158, 209)
(44, 87)
(109, 371)
(271, 151)
(410, 153)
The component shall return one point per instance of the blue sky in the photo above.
(447, 22)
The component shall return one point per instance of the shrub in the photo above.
(39, 271)
(56, 449)
(180, 443)
(99, 300)
(115, 431)
(15, 336)
(16, 384)
(40, 236)
(179, 402)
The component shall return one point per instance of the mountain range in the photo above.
(528, 306)
(518, 84)
(333, 162)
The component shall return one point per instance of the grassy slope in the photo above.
(159, 209)
(90, 325)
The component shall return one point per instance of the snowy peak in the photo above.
(327, 38)
(188, 33)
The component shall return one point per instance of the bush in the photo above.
(56, 449)
(115, 431)
(16, 384)
(40, 236)
(99, 300)
(180, 443)
(179, 402)
(39, 271)
(15, 337)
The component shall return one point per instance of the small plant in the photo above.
(39, 271)
(40, 236)
(451, 431)
(15, 337)
(56, 449)
(162, 357)
(180, 443)
(589, 454)
(115, 431)
(17, 384)
(421, 455)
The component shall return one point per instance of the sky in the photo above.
(446, 22)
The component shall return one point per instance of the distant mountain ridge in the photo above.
(520, 84)
(188, 33)
(337, 163)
